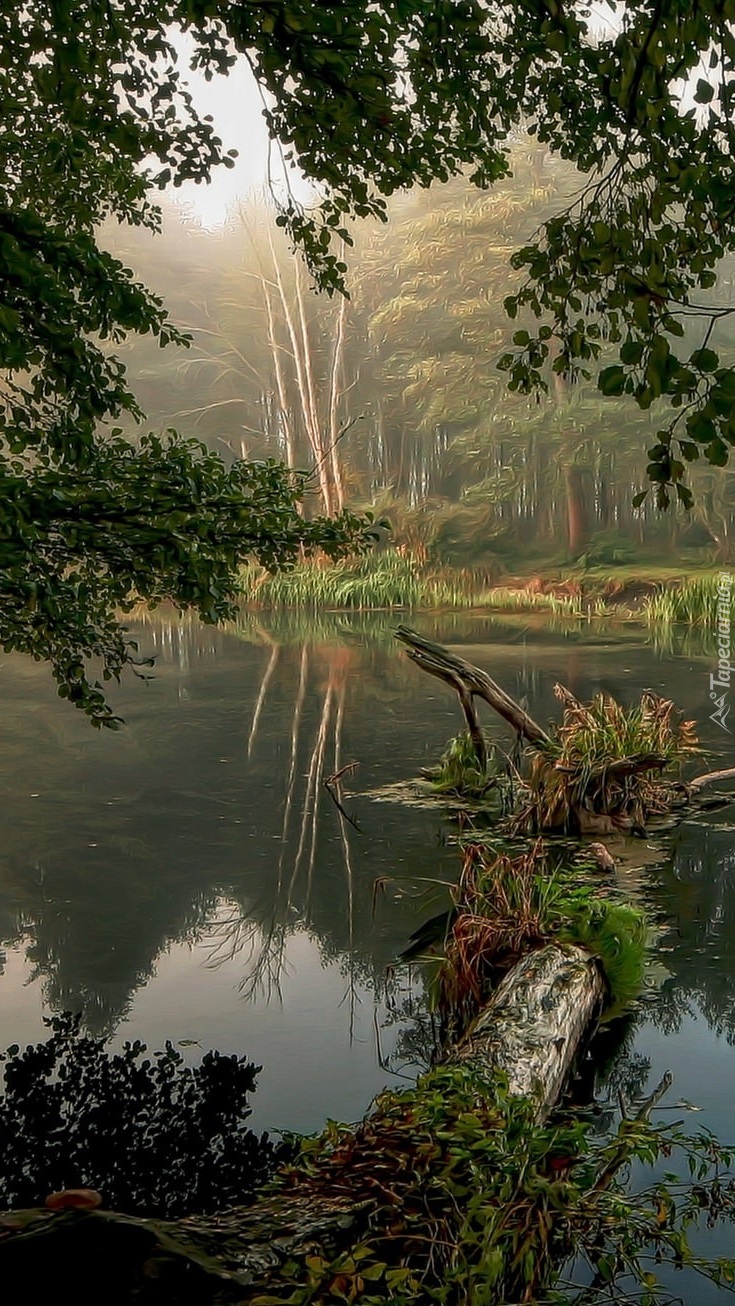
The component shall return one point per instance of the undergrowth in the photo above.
(459, 772)
(468, 1201)
(504, 906)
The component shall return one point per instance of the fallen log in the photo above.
(533, 1027)
(528, 1034)
(711, 778)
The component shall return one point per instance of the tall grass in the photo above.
(392, 578)
(694, 602)
(575, 784)
(505, 906)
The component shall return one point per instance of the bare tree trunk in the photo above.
(303, 383)
(533, 1026)
(286, 416)
(334, 397)
(577, 523)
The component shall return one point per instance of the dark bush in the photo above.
(153, 1135)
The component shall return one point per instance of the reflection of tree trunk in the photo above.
(310, 809)
(265, 682)
(295, 731)
(347, 855)
(577, 520)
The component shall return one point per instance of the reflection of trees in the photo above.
(694, 891)
(221, 831)
(241, 856)
(296, 901)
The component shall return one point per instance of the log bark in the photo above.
(438, 661)
(530, 1031)
(533, 1027)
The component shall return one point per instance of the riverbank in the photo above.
(392, 578)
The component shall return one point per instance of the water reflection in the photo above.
(193, 876)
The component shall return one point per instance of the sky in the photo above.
(236, 107)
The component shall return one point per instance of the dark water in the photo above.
(190, 878)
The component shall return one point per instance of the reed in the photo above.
(394, 578)
(693, 602)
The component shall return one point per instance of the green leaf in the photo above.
(611, 380)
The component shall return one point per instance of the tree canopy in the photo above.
(367, 99)
(374, 98)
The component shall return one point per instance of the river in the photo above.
(189, 877)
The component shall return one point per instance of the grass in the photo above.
(575, 786)
(693, 602)
(391, 578)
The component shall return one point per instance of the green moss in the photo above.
(616, 933)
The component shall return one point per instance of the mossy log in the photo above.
(529, 1032)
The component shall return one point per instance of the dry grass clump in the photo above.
(501, 913)
(604, 770)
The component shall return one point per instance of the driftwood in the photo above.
(437, 661)
(711, 778)
(470, 682)
(530, 1030)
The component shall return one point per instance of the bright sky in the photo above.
(236, 107)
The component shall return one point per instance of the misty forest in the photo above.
(367, 567)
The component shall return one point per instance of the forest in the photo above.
(377, 945)
(393, 399)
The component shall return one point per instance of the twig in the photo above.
(331, 784)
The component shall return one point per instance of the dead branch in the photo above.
(438, 661)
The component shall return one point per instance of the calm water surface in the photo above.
(189, 877)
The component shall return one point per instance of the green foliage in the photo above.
(152, 1135)
(607, 549)
(485, 1205)
(95, 118)
(628, 263)
(459, 772)
(165, 520)
(387, 579)
(392, 578)
(694, 602)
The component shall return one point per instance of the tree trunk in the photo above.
(577, 523)
(530, 1030)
